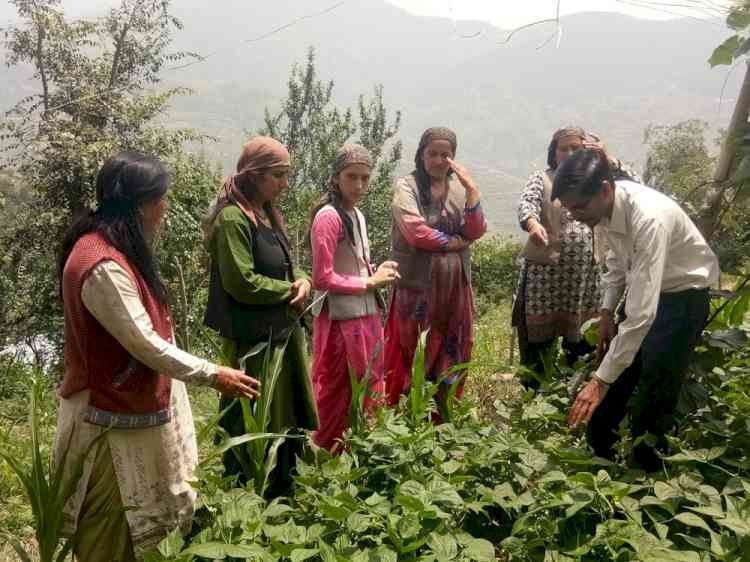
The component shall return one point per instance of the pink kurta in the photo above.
(339, 345)
(446, 308)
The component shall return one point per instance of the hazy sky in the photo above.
(508, 14)
(505, 14)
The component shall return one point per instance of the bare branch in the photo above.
(557, 33)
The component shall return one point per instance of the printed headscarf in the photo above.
(350, 154)
(433, 134)
(259, 154)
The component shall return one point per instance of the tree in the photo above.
(313, 129)
(732, 172)
(679, 164)
(678, 161)
(96, 95)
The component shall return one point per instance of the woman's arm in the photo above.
(232, 245)
(530, 206)
(411, 223)
(326, 232)
(475, 225)
(111, 296)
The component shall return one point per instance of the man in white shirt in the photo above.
(660, 257)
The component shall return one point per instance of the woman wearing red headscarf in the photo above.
(257, 294)
(435, 220)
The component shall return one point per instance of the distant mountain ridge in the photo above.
(612, 74)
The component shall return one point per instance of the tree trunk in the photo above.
(708, 220)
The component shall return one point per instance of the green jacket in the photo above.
(251, 280)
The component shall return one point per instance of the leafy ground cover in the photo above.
(503, 479)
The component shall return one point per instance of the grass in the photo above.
(16, 517)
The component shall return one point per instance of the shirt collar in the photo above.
(617, 222)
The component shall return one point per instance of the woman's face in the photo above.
(353, 183)
(271, 184)
(567, 146)
(435, 158)
(153, 215)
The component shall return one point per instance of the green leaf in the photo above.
(479, 549)
(214, 550)
(333, 511)
(172, 544)
(698, 455)
(358, 522)
(732, 339)
(692, 520)
(276, 509)
(738, 18)
(241, 440)
(723, 54)
(411, 503)
(248, 551)
(375, 499)
(443, 545)
(409, 526)
(300, 554)
(451, 466)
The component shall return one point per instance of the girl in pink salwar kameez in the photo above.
(435, 220)
(347, 331)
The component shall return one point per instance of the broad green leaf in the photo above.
(375, 499)
(172, 544)
(697, 455)
(248, 551)
(738, 19)
(553, 476)
(411, 503)
(409, 526)
(451, 466)
(723, 54)
(276, 509)
(480, 550)
(740, 526)
(697, 542)
(213, 550)
(441, 492)
(358, 522)
(300, 554)
(692, 520)
(443, 545)
(333, 511)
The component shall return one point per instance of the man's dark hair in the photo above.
(582, 174)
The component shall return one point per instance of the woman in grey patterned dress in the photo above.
(558, 289)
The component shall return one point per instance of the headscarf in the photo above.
(350, 154)
(433, 134)
(259, 154)
(420, 174)
(569, 131)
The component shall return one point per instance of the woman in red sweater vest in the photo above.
(124, 372)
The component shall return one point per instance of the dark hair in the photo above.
(552, 154)
(246, 184)
(422, 177)
(125, 183)
(333, 197)
(582, 174)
